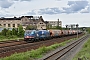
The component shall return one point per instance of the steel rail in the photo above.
(59, 54)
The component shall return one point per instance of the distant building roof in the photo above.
(19, 18)
(15, 18)
(27, 16)
(46, 22)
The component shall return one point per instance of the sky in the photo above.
(67, 11)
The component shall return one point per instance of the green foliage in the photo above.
(8, 33)
(1, 37)
(47, 26)
(85, 52)
(38, 53)
(56, 27)
(0, 33)
(88, 30)
(4, 32)
(14, 31)
(59, 27)
(30, 27)
(20, 31)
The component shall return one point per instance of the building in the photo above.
(41, 25)
(55, 23)
(23, 20)
(10, 22)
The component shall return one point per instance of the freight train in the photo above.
(38, 35)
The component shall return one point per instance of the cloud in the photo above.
(5, 3)
(21, 0)
(58, 0)
(8, 3)
(72, 7)
(75, 6)
(54, 10)
(5, 15)
(25, 0)
(32, 12)
(86, 10)
(15, 0)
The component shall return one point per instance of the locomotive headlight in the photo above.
(27, 37)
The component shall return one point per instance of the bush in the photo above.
(20, 31)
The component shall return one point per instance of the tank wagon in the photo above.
(55, 33)
(35, 35)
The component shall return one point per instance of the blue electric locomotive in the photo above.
(30, 35)
(43, 34)
(35, 35)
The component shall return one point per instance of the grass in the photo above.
(84, 52)
(35, 54)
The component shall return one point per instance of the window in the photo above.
(41, 23)
(32, 32)
(60, 22)
(13, 25)
(8, 25)
(34, 23)
(18, 25)
(0, 25)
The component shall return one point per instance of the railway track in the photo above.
(10, 41)
(6, 48)
(13, 42)
(63, 54)
(10, 49)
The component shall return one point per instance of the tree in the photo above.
(4, 31)
(28, 27)
(14, 31)
(48, 26)
(8, 33)
(59, 27)
(88, 30)
(20, 31)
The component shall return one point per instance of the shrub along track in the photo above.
(6, 49)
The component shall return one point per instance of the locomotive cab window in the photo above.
(32, 32)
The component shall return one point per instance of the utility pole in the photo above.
(77, 29)
(58, 23)
(66, 27)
